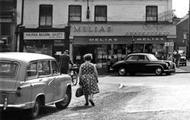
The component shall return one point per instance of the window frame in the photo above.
(34, 76)
(56, 66)
(50, 69)
(152, 15)
(69, 14)
(51, 14)
(95, 13)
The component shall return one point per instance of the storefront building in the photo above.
(46, 41)
(120, 39)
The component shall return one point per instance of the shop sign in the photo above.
(169, 43)
(149, 39)
(102, 40)
(43, 35)
(92, 29)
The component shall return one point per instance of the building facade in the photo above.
(104, 28)
(7, 25)
(42, 27)
(116, 28)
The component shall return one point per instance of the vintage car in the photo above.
(143, 63)
(30, 81)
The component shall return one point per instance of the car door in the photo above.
(142, 63)
(58, 82)
(46, 78)
(132, 64)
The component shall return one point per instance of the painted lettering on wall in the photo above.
(103, 40)
(92, 29)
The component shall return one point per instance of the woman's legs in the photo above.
(86, 99)
(91, 99)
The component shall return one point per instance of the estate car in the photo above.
(143, 63)
(30, 81)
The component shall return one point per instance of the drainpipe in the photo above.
(18, 30)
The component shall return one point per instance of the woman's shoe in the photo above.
(92, 102)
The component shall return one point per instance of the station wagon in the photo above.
(30, 81)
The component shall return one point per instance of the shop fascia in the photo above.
(95, 29)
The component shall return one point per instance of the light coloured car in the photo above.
(30, 81)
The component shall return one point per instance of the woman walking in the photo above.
(88, 79)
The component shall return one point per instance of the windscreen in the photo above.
(8, 69)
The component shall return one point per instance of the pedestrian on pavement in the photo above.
(178, 56)
(65, 62)
(88, 79)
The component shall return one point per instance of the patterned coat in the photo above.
(88, 77)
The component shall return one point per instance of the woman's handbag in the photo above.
(79, 92)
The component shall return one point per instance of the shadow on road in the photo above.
(80, 108)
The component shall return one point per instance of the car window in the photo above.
(44, 68)
(142, 58)
(32, 70)
(152, 58)
(132, 58)
(55, 67)
(8, 69)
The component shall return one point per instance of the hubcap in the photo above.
(158, 71)
(122, 71)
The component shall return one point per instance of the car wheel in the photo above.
(64, 103)
(158, 71)
(122, 71)
(34, 112)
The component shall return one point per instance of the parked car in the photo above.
(30, 81)
(143, 63)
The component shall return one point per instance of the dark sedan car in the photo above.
(143, 63)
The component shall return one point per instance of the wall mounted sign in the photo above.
(95, 29)
(43, 35)
(117, 40)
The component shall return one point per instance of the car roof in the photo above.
(140, 54)
(24, 56)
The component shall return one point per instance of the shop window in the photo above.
(100, 13)
(74, 13)
(151, 13)
(5, 29)
(45, 16)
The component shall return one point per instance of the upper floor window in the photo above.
(74, 13)
(100, 13)
(45, 16)
(151, 13)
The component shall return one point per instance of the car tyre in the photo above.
(34, 112)
(64, 103)
(158, 71)
(122, 71)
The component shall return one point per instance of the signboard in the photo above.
(169, 43)
(102, 40)
(43, 35)
(117, 40)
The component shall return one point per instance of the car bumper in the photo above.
(170, 71)
(5, 106)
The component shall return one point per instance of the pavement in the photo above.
(184, 69)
